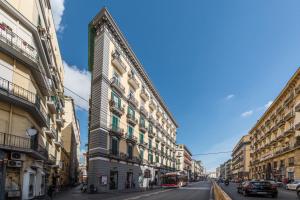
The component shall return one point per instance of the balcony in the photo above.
(58, 143)
(23, 144)
(289, 131)
(25, 99)
(159, 112)
(131, 138)
(158, 139)
(289, 115)
(144, 95)
(143, 144)
(114, 153)
(132, 100)
(116, 131)
(297, 126)
(151, 119)
(289, 98)
(143, 128)
(297, 107)
(151, 133)
(60, 121)
(117, 86)
(16, 45)
(131, 120)
(50, 132)
(144, 111)
(118, 63)
(159, 126)
(133, 81)
(51, 103)
(152, 104)
(116, 109)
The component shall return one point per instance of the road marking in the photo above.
(194, 188)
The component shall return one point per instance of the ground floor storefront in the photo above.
(285, 167)
(108, 175)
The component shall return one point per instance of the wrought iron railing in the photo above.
(17, 91)
(18, 43)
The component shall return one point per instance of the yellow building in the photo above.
(31, 107)
(241, 159)
(71, 145)
(275, 139)
(132, 133)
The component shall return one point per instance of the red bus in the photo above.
(174, 179)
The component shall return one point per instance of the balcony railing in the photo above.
(132, 100)
(131, 138)
(144, 94)
(143, 127)
(51, 103)
(116, 131)
(16, 142)
(143, 111)
(131, 119)
(118, 63)
(152, 105)
(117, 86)
(17, 43)
(115, 108)
(25, 99)
(133, 81)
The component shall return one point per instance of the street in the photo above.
(282, 194)
(197, 190)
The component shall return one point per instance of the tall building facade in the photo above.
(228, 169)
(197, 169)
(71, 145)
(275, 138)
(31, 99)
(132, 133)
(184, 159)
(241, 158)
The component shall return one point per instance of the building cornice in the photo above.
(104, 17)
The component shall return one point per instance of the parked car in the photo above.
(298, 192)
(258, 188)
(293, 186)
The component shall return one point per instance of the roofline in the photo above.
(103, 17)
(291, 80)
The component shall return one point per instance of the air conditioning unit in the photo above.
(17, 156)
(14, 163)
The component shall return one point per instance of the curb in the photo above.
(219, 193)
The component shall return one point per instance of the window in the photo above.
(116, 99)
(150, 144)
(141, 138)
(156, 146)
(117, 77)
(142, 121)
(157, 159)
(150, 158)
(115, 122)
(129, 151)
(291, 161)
(114, 146)
(131, 112)
(142, 154)
(130, 131)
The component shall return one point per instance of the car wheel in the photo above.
(245, 193)
(274, 195)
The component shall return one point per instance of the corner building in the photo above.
(275, 138)
(132, 133)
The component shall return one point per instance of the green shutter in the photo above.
(115, 122)
(141, 138)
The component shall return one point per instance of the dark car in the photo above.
(258, 188)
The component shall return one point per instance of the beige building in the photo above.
(184, 159)
(197, 169)
(71, 145)
(132, 133)
(275, 139)
(31, 99)
(241, 158)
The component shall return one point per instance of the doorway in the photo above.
(129, 180)
(113, 183)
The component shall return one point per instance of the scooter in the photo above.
(226, 182)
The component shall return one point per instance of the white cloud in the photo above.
(57, 7)
(79, 81)
(247, 113)
(268, 104)
(229, 97)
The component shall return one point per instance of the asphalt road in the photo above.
(282, 194)
(194, 191)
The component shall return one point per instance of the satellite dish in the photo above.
(31, 131)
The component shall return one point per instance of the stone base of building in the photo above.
(108, 175)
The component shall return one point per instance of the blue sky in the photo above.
(217, 64)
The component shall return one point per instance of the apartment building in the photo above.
(184, 159)
(228, 169)
(241, 158)
(275, 139)
(31, 103)
(197, 169)
(218, 172)
(132, 133)
(71, 145)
